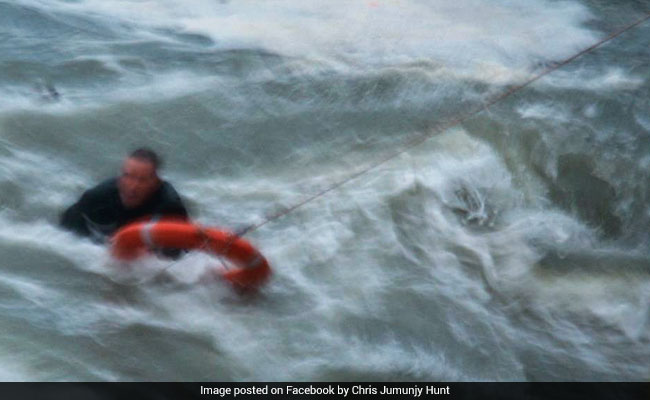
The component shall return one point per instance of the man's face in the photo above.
(137, 182)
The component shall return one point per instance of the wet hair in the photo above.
(146, 154)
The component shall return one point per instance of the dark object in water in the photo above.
(47, 91)
(52, 93)
(578, 189)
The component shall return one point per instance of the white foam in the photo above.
(143, 88)
(544, 112)
(485, 40)
(612, 78)
(37, 171)
(495, 42)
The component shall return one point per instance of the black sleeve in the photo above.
(75, 217)
(172, 254)
(171, 204)
(72, 219)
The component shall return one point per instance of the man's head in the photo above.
(139, 178)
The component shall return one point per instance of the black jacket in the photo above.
(99, 212)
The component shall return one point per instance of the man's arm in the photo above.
(77, 217)
(171, 203)
(73, 220)
(172, 206)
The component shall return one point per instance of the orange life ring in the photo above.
(133, 240)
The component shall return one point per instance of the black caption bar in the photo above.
(324, 390)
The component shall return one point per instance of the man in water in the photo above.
(137, 193)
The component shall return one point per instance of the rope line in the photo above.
(439, 128)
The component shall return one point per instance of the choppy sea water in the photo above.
(511, 247)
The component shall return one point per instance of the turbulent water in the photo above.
(513, 246)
